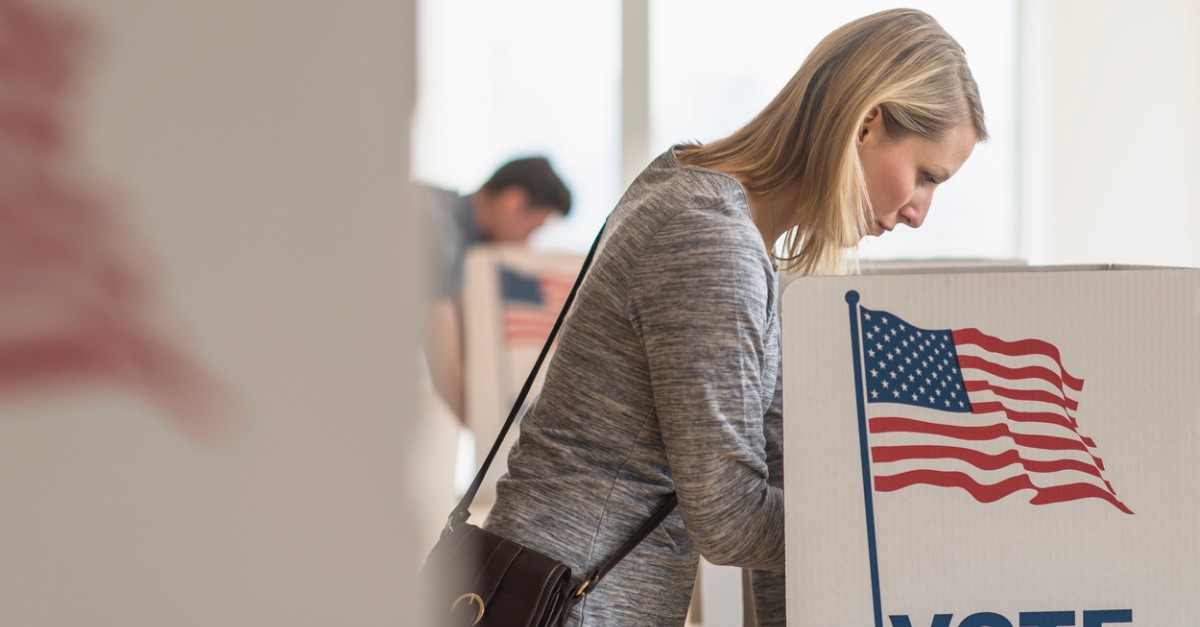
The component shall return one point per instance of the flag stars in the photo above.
(910, 365)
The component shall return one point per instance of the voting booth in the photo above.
(511, 299)
(994, 448)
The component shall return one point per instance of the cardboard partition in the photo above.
(511, 299)
(993, 449)
(943, 266)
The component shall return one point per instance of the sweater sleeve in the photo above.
(769, 588)
(699, 299)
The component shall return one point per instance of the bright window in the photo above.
(499, 80)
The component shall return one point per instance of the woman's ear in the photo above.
(871, 123)
(514, 199)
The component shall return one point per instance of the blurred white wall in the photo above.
(1111, 136)
(258, 151)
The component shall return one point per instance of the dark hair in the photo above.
(536, 177)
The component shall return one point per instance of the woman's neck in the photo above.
(771, 213)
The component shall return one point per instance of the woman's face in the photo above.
(903, 173)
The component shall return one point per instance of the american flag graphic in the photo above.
(532, 302)
(963, 409)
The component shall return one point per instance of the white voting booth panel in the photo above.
(511, 298)
(926, 266)
(993, 449)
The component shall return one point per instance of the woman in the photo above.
(667, 368)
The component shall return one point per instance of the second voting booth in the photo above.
(1006, 448)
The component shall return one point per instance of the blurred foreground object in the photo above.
(78, 306)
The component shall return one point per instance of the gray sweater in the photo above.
(662, 377)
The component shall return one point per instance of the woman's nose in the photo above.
(913, 214)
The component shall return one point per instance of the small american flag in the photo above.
(532, 302)
(960, 408)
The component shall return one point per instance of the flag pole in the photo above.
(864, 451)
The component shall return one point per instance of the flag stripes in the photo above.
(1022, 348)
(990, 493)
(532, 303)
(979, 459)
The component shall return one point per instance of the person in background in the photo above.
(666, 375)
(518, 199)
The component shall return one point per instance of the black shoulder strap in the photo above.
(461, 513)
(596, 575)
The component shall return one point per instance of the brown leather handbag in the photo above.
(484, 579)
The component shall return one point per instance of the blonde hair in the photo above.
(900, 60)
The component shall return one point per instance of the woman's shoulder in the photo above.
(669, 174)
(668, 190)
